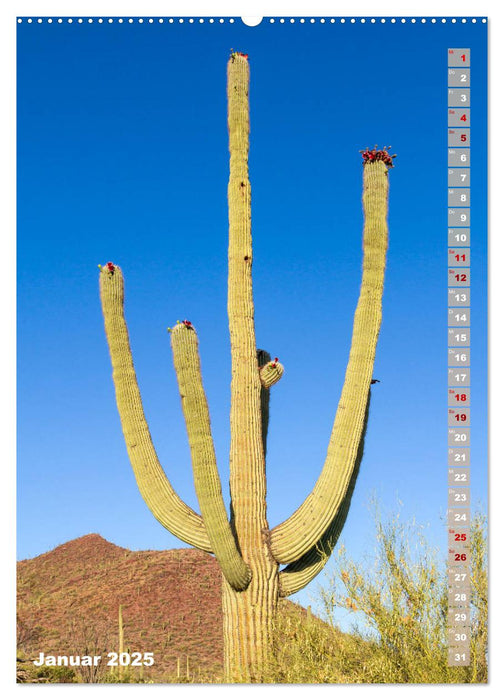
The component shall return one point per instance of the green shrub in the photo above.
(399, 603)
(56, 674)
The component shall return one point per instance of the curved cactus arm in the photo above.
(157, 492)
(184, 342)
(298, 534)
(297, 575)
(271, 373)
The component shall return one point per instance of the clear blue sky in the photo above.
(123, 156)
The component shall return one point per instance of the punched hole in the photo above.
(251, 21)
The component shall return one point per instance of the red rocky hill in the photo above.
(68, 602)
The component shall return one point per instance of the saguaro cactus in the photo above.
(247, 549)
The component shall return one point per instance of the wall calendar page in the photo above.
(252, 349)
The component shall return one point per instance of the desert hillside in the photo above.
(68, 603)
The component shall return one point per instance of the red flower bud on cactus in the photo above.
(110, 267)
(376, 155)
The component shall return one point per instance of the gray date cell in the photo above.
(459, 417)
(459, 236)
(459, 57)
(459, 257)
(459, 137)
(459, 97)
(459, 517)
(459, 77)
(459, 476)
(461, 549)
(459, 436)
(459, 656)
(460, 318)
(459, 357)
(459, 397)
(459, 376)
(459, 217)
(459, 197)
(457, 621)
(459, 552)
(459, 296)
(460, 621)
(459, 277)
(459, 639)
(459, 337)
(458, 116)
(459, 177)
(459, 457)
(458, 576)
(459, 157)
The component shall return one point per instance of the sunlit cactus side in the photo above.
(248, 550)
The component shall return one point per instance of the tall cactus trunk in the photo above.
(247, 614)
(248, 619)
